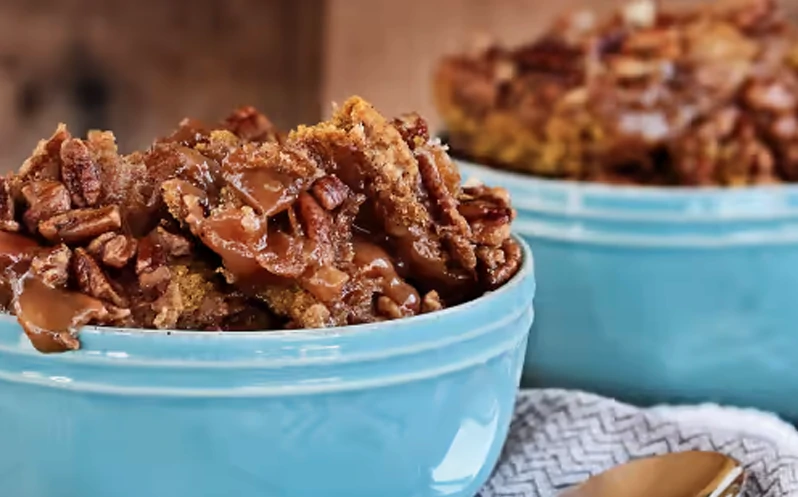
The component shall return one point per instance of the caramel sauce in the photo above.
(250, 250)
(283, 255)
(15, 248)
(375, 263)
(199, 169)
(190, 132)
(237, 237)
(267, 190)
(50, 317)
(327, 284)
(184, 189)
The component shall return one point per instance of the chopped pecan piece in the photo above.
(169, 160)
(92, 280)
(157, 254)
(80, 225)
(153, 273)
(499, 264)
(330, 192)
(117, 315)
(413, 128)
(45, 162)
(431, 302)
(327, 283)
(489, 214)
(45, 198)
(97, 246)
(173, 244)
(390, 309)
(52, 266)
(156, 279)
(250, 125)
(186, 202)
(80, 173)
(113, 249)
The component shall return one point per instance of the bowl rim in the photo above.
(296, 341)
(678, 204)
(678, 190)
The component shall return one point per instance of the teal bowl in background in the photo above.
(662, 294)
(418, 407)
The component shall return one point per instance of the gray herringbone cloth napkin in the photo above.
(559, 438)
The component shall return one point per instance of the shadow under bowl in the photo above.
(661, 294)
(417, 407)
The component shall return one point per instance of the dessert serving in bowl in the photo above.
(235, 311)
(651, 158)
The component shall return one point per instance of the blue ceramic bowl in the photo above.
(418, 407)
(662, 294)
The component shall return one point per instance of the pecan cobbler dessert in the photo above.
(239, 227)
(707, 95)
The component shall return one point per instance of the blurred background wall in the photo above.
(139, 66)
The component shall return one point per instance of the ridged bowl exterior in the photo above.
(662, 294)
(410, 408)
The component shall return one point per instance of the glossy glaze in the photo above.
(412, 408)
(662, 295)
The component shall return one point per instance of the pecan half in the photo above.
(112, 249)
(498, 264)
(80, 225)
(155, 252)
(80, 172)
(45, 199)
(488, 212)
(119, 251)
(45, 162)
(452, 225)
(92, 280)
